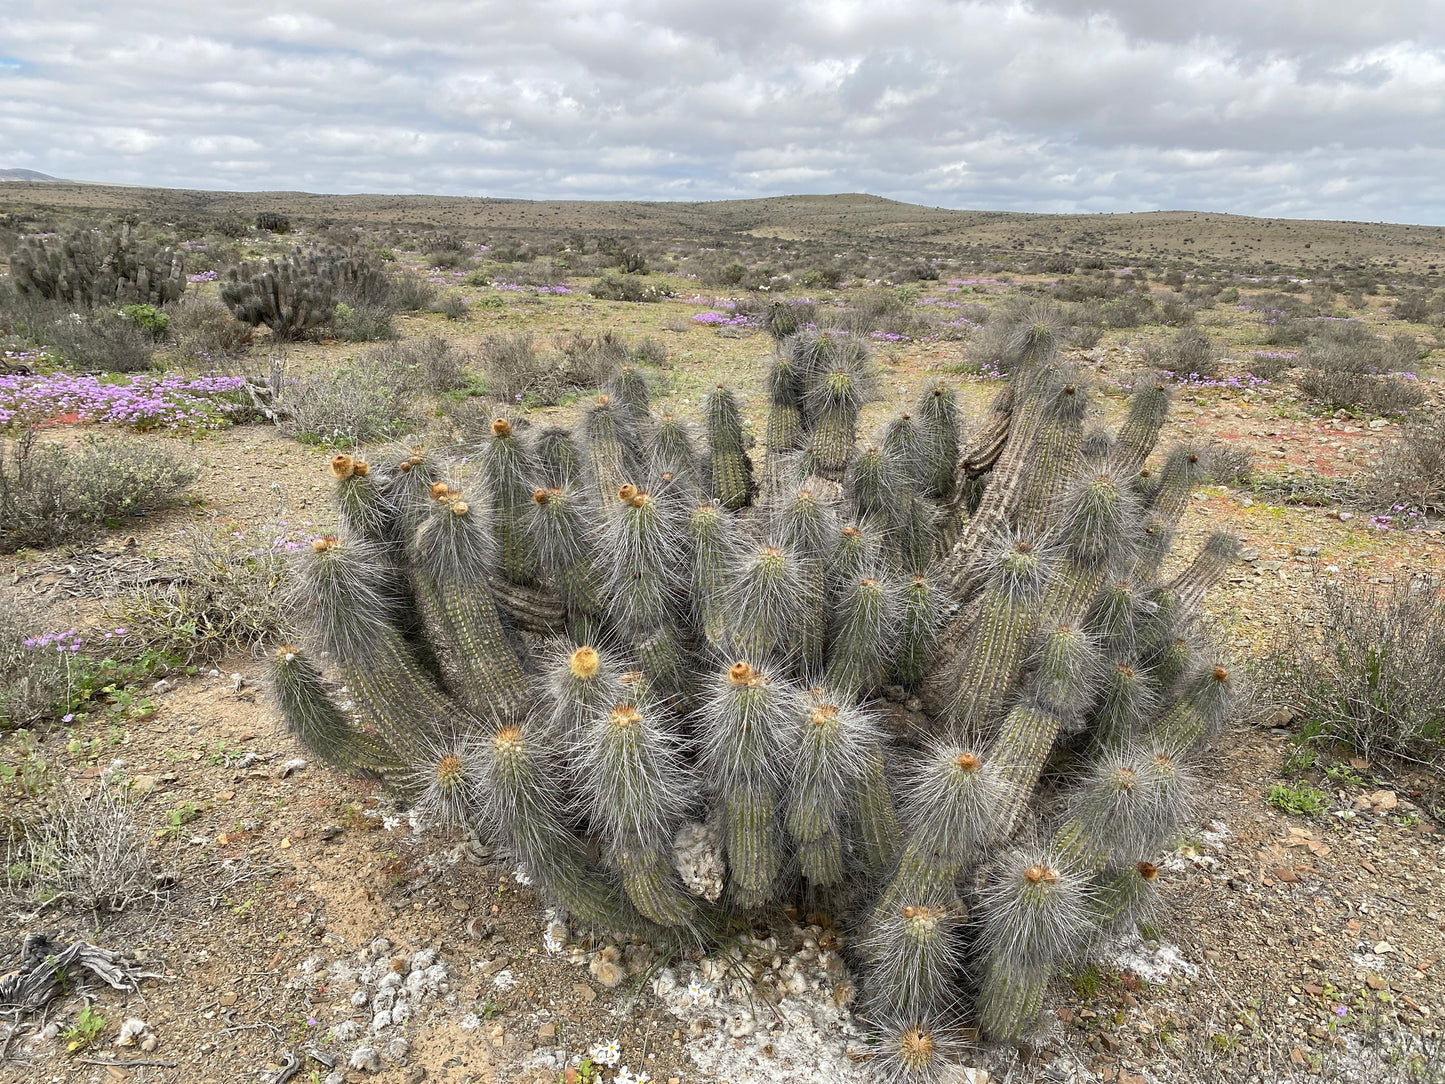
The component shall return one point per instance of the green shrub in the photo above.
(1298, 800)
(148, 317)
(50, 495)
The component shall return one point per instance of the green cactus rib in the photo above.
(754, 859)
(319, 725)
(523, 804)
(918, 632)
(511, 473)
(835, 431)
(993, 657)
(398, 697)
(821, 859)
(784, 434)
(862, 638)
(365, 511)
(651, 885)
(711, 533)
(877, 816)
(811, 618)
(729, 468)
(939, 426)
(962, 570)
(559, 534)
(1053, 461)
(1148, 408)
(1121, 895)
(921, 873)
(1010, 998)
(1020, 748)
(611, 461)
(476, 657)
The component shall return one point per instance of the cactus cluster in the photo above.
(290, 296)
(942, 688)
(88, 268)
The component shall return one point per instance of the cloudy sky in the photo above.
(1301, 108)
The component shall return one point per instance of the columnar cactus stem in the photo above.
(750, 726)
(511, 474)
(835, 741)
(863, 637)
(612, 457)
(560, 532)
(729, 468)
(712, 535)
(673, 454)
(558, 458)
(1148, 407)
(319, 724)
(939, 427)
(636, 786)
(807, 527)
(918, 631)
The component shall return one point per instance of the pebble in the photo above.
(162, 686)
(585, 992)
(228, 998)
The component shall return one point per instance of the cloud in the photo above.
(1300, 107)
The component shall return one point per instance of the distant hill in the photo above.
(1262, 246)
(25, 175)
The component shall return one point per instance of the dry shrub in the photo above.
(1369, 672)
(1412, 472)
(227, 595)
(51, 495)
(32, 681)
(205, 329)
(84, 853)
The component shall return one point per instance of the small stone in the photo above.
(142, 785)
(416, 1074)
(290, 767)
(1383, 800)
(1307, 551)
(547, 1033)
(162, 686)
(459, 904)
(585, 992)
(1249, 554)
(228, 998)
(1379, 423)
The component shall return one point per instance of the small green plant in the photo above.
(86, 1029)
(1091, 980)
(1344, 774)
(178, 818)
(1300, 800)
(148, 317)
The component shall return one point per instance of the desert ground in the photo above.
(1301, 929)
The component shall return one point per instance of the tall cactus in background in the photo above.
(730, 661)
(291, 295)
(86, 268)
